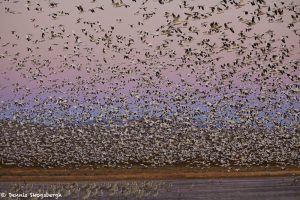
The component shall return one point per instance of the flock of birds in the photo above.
(152, 83)
(146, 144)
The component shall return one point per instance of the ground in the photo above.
(138, 173)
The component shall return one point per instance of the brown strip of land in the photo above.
(136, 173)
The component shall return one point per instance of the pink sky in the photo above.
(75, 71)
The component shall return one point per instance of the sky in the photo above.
(214, 62)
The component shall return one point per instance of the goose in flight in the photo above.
(118, 4)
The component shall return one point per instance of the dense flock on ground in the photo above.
(148, 144)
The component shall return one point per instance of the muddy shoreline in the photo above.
(137, 173)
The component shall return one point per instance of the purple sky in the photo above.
(56, 59)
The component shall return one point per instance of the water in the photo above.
(275, 188)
